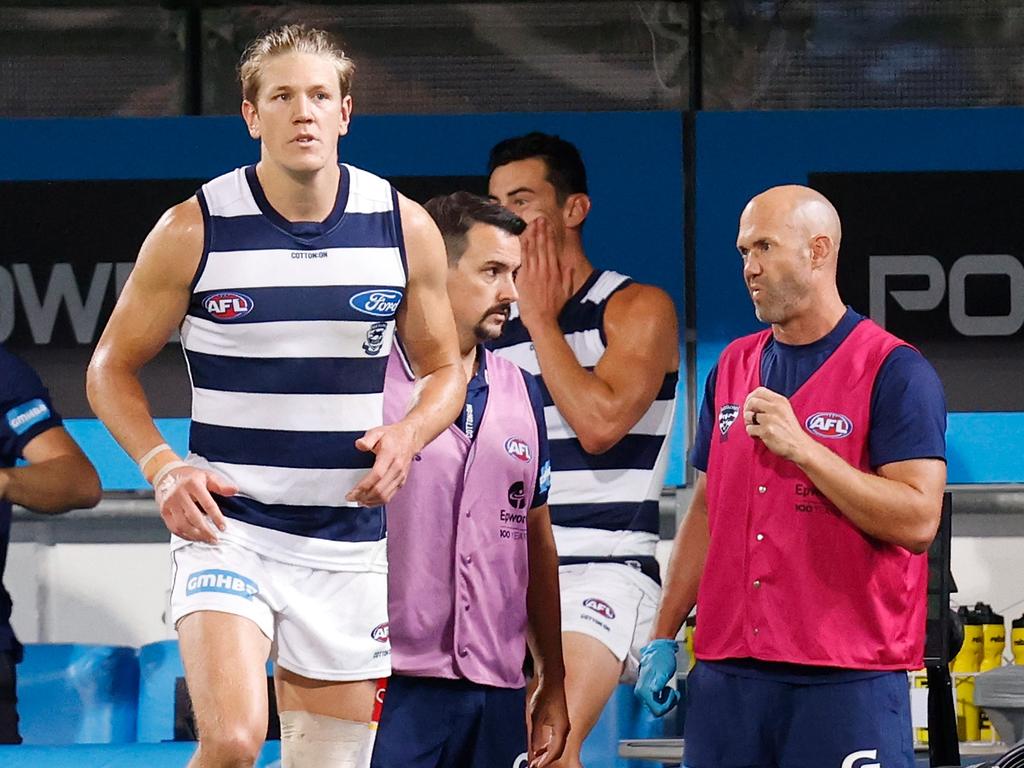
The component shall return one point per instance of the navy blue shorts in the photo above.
(428, 722)
(749, 721)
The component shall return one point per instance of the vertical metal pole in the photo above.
(696, 55)
(695, 104)
(943, 747)
(193, 59)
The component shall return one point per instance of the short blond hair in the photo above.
(287, 39)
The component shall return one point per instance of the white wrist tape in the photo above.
(148, 456)
(165, 470)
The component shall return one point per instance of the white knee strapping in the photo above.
(319, 741)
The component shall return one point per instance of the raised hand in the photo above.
(769, 417)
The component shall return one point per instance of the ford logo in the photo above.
(380, 302)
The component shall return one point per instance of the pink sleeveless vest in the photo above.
(788, 578)
(457, 557)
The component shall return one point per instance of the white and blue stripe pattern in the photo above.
(287, 356)
(617, 490)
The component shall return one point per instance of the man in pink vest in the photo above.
(821, 470)
(473, 572)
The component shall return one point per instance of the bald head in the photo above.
(803, 209)
(789, 240)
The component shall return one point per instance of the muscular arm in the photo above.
(642, 346)
(689, 552)
(58, 476)
(901, 504)
(151, 306)
(427, 328)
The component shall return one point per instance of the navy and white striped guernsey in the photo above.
(286, 338)
(616, 491)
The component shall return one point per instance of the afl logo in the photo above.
(380, 633)
(828, 424)
(228, 306)
(599, 606)
(517, 448)
(380, 302)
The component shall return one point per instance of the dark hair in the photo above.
(454, 214)
(566, 172)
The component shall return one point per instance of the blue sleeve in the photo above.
(705, 423)
(908, 410)
(540, 490)
(25, 408)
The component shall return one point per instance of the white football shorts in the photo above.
(324, 625)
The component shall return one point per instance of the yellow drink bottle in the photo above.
(919, 679)
(691, 625)
(1017, 640)
(993, 641)
(968, 726)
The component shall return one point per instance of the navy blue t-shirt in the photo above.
(473, 413)
(26, 413)
(908, 405)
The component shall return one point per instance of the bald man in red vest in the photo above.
(821, 466)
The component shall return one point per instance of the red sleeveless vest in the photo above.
(788, 578)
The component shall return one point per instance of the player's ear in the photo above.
(345, 118)
(251, 117)
(576, 208)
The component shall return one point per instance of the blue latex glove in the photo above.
(657, 668)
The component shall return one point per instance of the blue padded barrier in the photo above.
(171, 755)
(624, 717)
(77, 694)
(176, 755)
(160, 670)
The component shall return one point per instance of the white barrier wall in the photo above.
(112, 594)
(990, 569)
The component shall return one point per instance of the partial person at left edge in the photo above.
(56, 477)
